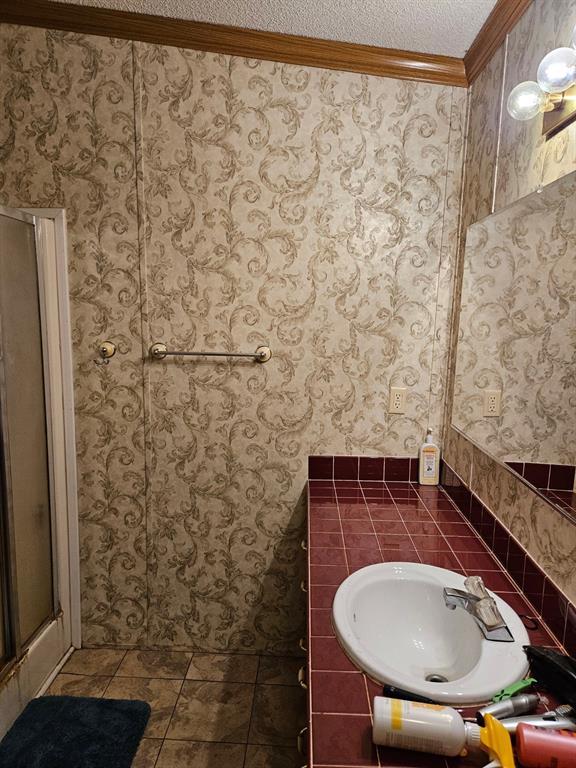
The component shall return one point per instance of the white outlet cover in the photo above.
(397, 402)
(492, 403)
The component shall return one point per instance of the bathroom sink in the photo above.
(392, 621)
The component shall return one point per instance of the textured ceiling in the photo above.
(445, 27)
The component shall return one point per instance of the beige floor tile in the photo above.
(279, 670)
(208, 711)
(147, 753)
(278, 715)
(94, 661)
(272, 757)
(158, 664)
(218, 667)
(78, 685)
(191, 754)
(160, 694)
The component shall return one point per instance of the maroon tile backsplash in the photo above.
(566, 500)
(555, 481)
(561, 477)
(357, 521)
(554, 477)
(371, 468)
(362, 468)
(321, 467)
(346, 467)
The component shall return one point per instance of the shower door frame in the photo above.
(32, 667)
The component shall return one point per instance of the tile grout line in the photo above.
(252, 706)
(404, 523)
(341, 530)
(112, 677)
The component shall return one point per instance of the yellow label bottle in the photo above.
(429, 464)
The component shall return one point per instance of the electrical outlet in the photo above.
(397, 403)
(492, 402)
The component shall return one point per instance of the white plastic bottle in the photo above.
(430, 728)
(429, 464)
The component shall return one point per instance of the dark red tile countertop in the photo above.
(352, 524)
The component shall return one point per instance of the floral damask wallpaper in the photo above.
(221, 203)
(301, 209)
(518, 329)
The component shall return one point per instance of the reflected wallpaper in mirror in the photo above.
(517, 337)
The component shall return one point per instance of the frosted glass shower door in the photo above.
(37, 461)
(26, 492)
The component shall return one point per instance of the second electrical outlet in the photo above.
(397, 403)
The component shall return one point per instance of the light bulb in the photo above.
(526, 100)
(557, 70)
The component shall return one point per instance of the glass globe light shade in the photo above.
(526, 100)
(573, 41)
(557, 70)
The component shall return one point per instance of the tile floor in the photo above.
(208, 710)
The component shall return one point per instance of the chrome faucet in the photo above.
(483, 609)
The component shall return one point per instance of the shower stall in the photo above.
(39, 600)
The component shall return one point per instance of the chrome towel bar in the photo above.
(159, 351)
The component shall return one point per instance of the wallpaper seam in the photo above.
(443, 238)
(456, 281)
(142, 265)
(500, 123)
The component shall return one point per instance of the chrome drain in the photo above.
(434, 678)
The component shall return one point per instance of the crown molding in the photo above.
(216, 38)
(505, 15)
(272, 46)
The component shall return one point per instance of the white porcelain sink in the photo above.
(392, 621)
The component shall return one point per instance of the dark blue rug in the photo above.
(75, 732)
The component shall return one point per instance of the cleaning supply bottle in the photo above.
(537, 748)
(517, 705)
(438, 730)
(429, 464)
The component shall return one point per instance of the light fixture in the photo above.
(526, 100)
(557, 70)
(554, 94)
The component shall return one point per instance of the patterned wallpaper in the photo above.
(222, 203)
(518, 328)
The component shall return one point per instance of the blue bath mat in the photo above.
(75, 732)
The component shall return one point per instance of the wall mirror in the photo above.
(515, 380)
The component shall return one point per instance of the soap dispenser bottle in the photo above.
(429, 464)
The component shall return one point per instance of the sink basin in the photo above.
(392, 622)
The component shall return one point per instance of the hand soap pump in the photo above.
(429, 464)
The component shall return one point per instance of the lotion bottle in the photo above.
(431, 728)
(429, 464)
(438, 730)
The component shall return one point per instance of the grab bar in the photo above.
(159, 351)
